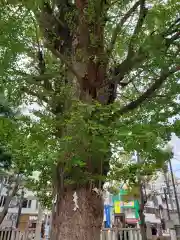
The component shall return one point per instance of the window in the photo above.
(2, 201)
(32, 225)
(149, 210)
(29, 203)
(26, 203)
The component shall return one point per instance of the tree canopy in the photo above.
(132, 45)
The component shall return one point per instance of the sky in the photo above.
(175, 141)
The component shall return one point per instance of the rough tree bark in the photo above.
(85, 222)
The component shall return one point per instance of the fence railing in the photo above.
(17, 235)
(106, 234)
(121, 234)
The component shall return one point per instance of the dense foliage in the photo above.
(139, 51)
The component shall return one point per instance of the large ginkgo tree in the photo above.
(104, 75)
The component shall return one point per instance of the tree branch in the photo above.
(149, 92)
(55, 29)
(37, 80)
(35, 77)
(134, 60)
(138, 27)
(119, 26)
(128, 64)
(40, 96)
(65, 61)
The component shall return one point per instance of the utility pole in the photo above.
(174, 188)
(171, 228)
(20, 208)
(168, 213)
(142, 202)
(165, 170)
(39, 223)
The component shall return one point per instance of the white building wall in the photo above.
(156, 187)
(11, 217)
(151, 218)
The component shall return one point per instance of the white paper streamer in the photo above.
(75, 200)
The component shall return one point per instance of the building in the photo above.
(156, 209)
(115, 207)
(130, 209)
(29, 211)
(159, 203)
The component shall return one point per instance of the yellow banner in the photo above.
(117, 207)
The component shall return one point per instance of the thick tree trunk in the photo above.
(78, 221)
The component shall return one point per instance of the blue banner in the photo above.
(108, 216)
